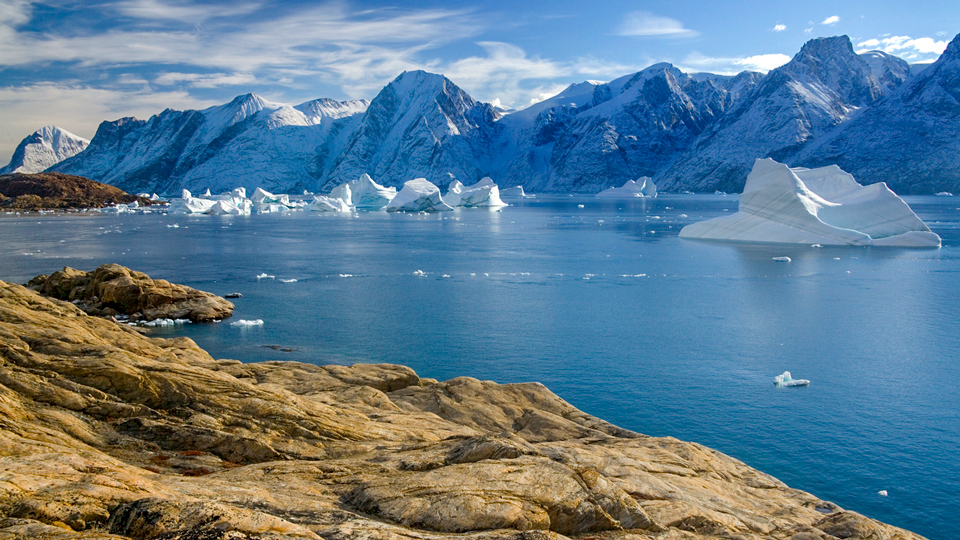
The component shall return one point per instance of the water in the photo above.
(611, 310)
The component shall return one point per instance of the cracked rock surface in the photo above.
(107, 433)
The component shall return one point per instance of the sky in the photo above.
(75, 63)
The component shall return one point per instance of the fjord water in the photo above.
(605, 305)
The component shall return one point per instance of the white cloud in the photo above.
(644, 23)
(808, 30)
(779, 28)
(154, 10)
(908, 48)
(697, 62)
(831, 20)
(206, 80)
(547, 93)
(78, 109)
(763, 62)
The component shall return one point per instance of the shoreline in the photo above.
(107, 426)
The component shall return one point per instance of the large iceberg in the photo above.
(816, 206)
(418, 195)
(482, 194)
(641, 187)
(322, 203)
(364, 193)
(454, 190)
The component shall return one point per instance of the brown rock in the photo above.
(114, 289)
(59, 191)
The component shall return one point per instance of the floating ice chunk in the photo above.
(825, 206)
(174, 226)
(322, 203)
(265, 197)
(944, 194)
(482, 194)
(579, 206)
(364, 193)
(419, 273)
(265, 276)
(244, 323)
(418, 195)
(232, 206)
(453, 197)
(785, 379)
(782, 259)
(207, 194)
(642, 187)
(346, 275)
(162, 323)
(288, 280)
(515, 192)
(882, 493)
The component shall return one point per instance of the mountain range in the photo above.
(877, 117)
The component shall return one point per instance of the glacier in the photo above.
(418, 195)
(823, 206)
(642, 187)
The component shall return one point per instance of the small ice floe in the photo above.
(288, 281)
(346, 275)
(445, 275)
(882, 493)
(244, 323)
(816, 246)
(785, 379)
(264, 276)
(174, 226)
(233, 295)
(579, 206)
(419, 273)
(941, 194)
(782, 259)
(161, 323)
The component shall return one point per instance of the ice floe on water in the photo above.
(245, 323)
(265, 276)
(288, 281)
(782, 259)
(785, 379)
(419, 273)
(824, 206)
(642, 187)
(161, 323)
(418, 195)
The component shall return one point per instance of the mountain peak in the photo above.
(44, 148)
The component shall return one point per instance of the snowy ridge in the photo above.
(699, 132)
(43, 149)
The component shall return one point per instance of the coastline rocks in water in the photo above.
(418, 195)
(816, 206)
(642, 187)
(43, 191)
(107, 433)
(112, 289)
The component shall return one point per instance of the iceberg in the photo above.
(515, 191)
(482, 194)
(244, 323)
(364, 193)
(322, 203)
(785, 379)
(816, 206)
(454, 190)
(262, 197)
(418, 195)
(641, 187)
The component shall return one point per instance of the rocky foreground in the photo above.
(106, 433)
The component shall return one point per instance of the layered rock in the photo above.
(110, 434)
(112, 289)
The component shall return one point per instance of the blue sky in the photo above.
(76, 63)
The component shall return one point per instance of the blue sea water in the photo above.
(609, 308)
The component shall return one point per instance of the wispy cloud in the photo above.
(906, 47)
(154, 10)
(697, 62)
(207, 80)
(779, 28)
(644, 23)
(831, 20)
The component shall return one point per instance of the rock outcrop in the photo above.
(113, 290)
(60, 191)
(107, 433)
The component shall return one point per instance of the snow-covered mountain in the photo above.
(44, 148)
(421, 125)
(248, 140)
(910, 140)
(820, 88)
(594, 135)
(872, 113)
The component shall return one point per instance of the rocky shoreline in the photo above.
(58, 191)
(106, 433)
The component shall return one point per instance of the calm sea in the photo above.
(602, 302)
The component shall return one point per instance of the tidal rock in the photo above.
(112, 289)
